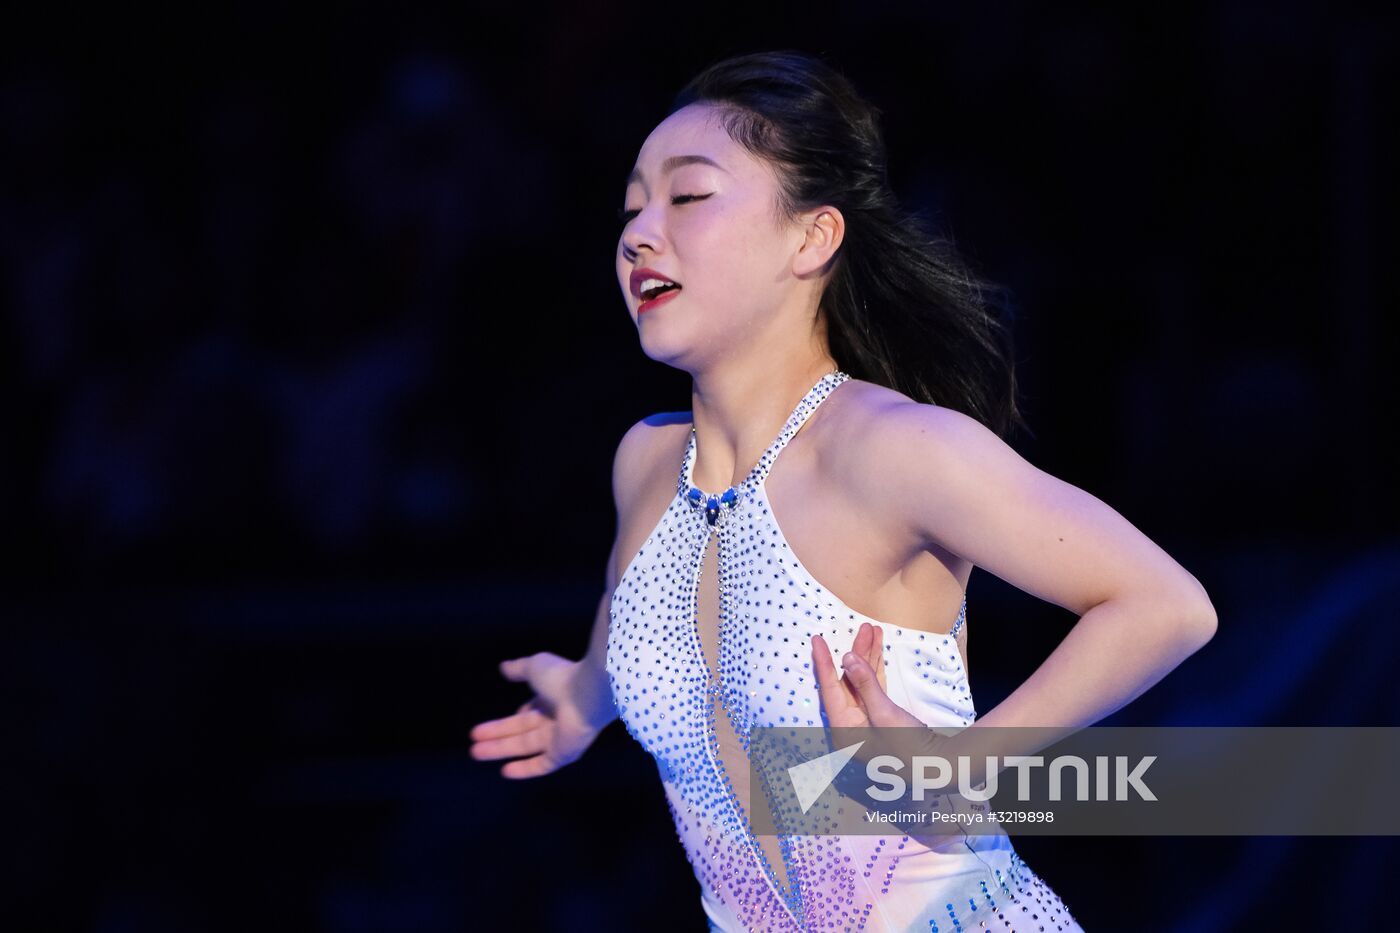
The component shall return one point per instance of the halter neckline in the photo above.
(715, 503)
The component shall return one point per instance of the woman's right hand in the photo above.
(554, 727)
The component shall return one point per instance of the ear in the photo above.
(823, 230)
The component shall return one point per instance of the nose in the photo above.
(641, 234)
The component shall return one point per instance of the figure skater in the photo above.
(764, 253)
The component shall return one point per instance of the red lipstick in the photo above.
(640, 276)
(658, 300)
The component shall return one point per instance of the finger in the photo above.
(822, 664)
(878, 706)
(869, 644)
(876, 655)
(864, 636)
(864, 641)
(529, 767)
(526, 718)
(523, 721)
(512, 746)
(517, 668)
(834, 696)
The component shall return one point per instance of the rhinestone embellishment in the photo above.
(716, 505)
(712, 503)
(710, 627)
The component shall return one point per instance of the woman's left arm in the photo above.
(952, 482)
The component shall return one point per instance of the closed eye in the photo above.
(626, 216)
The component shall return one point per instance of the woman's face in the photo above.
(710, 228)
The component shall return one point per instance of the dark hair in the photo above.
(902, 308)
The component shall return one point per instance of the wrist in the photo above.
(592, 694)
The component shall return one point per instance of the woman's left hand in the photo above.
(858, 698)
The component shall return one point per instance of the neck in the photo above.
(740, 407)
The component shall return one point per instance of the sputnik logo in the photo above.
(810, 778)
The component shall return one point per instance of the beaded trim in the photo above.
(716, 504)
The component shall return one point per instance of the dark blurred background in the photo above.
(315, 360)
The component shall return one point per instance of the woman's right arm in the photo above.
(573, 700)
(592, 690)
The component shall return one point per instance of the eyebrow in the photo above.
(676, 161)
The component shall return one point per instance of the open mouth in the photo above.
(654, 288)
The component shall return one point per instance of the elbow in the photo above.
(1194, 615)
(1198, 623)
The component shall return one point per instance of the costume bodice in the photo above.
(668, 696)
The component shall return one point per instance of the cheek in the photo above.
(722, 239)
(735, 262)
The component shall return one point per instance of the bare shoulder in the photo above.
(880, 446)
(644, 448)
(921, 465)
(877, 413)
(871, 425)
(645, 464)
(876, 426)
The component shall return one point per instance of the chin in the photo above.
(691, 353)
(666, 343)
(665, 351)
